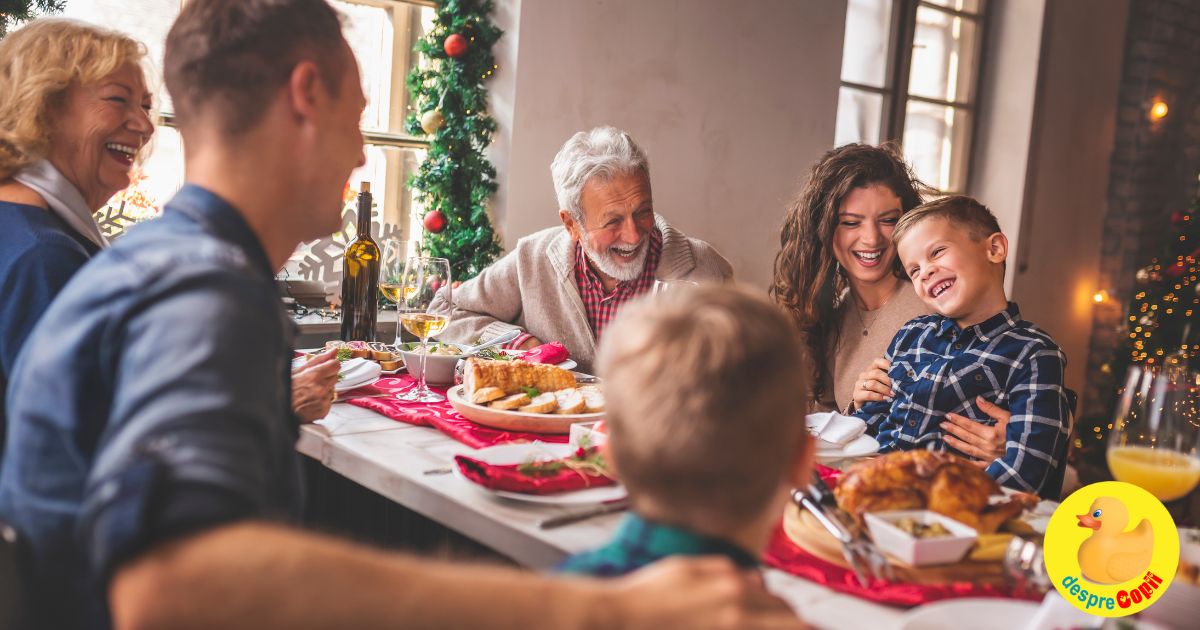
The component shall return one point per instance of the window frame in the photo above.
(901, 39)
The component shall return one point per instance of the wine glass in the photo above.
(391, 276)
(1155, 442)
(423, 278)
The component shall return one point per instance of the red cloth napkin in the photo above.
(439, 415)
(829, 475)
(508, 477)
(551, 353)
(784, 555)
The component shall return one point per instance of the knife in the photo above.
(608, 507)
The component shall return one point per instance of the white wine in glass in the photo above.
(1155, 443)
(391, 275)
(424, 278)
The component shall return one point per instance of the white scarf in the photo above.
(63, 198)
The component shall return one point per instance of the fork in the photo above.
(850, 551)
(880, 567)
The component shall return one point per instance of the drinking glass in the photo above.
(423, 278)
(1155, 442)
(662, 286)
(391, 276)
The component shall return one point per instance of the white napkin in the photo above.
(356, 372)
(63, 198)
(833, 430)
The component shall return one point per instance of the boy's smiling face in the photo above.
(956, 275)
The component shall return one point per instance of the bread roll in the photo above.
(514, 376)
(544, 403)
(569, 401)
(511, 402)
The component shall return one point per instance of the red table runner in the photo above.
(439, 415)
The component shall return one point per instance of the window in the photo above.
(910, 71)
(381, 33)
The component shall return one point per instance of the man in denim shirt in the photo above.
(151, 460)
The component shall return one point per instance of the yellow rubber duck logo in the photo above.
(1112, 555)
(1111, 549)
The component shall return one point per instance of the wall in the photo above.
(1154, 166)
(1004, 133)
(732, 101)
(1068, 172)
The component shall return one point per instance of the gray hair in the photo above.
(603, 152)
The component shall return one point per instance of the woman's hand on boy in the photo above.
(873, 384)
(984, 443)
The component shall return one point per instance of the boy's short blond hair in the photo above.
(706, 402)
(961, 210)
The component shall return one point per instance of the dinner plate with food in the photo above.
(524, 452)
(519, 396)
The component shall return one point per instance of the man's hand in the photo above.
(873, 384)
(697, 593)
(312, 386)
(530, 344)
(986, 444)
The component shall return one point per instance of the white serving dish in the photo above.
(919, 552)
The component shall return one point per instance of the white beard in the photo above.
(620, 270)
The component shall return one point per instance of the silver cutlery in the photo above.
(608, 507)
(880, 567)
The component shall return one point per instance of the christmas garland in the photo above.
(22, 10)
(455, 180)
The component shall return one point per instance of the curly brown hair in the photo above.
(808, 282)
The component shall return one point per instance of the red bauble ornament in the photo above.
(434, 222)
(1177, 218)
(1174, 271)
(455, 46)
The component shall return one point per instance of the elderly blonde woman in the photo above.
(74, 119)
(566, 283)
(74, 115)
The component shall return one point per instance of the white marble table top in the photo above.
(405, 463)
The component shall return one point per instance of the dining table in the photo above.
(412, 466)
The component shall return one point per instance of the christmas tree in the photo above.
(456, 179)
(1164, 315)
(12, 11)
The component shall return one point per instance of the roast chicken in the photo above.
(941, 482)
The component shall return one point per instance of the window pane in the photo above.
(966, 6)
(936, 143)
(387, 169)
(859, 116)
(864, 54)
(144, 20)
(382, 39)
(943, 59)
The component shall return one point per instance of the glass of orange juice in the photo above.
(1156, 437)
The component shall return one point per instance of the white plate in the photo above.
(569, 364)
(860, 447)
(357, 373)
(983, 613)
(509, 454)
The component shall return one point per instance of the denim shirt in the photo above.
(151, 401)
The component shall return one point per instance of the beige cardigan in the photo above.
(533, 289)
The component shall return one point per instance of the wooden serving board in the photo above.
(807, 533)
(516, 420)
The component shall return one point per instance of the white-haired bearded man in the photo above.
(565, 285)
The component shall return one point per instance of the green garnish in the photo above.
(344, 354)
(532, 392)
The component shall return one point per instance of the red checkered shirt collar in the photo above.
(602, 307)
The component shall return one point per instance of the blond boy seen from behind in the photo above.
(706, 426)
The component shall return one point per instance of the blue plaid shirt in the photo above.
(639, 542)
(938, 368)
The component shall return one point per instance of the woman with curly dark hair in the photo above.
(838, 276)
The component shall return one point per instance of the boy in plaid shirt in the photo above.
(975, 346)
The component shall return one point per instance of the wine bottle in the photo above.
(360, 277)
